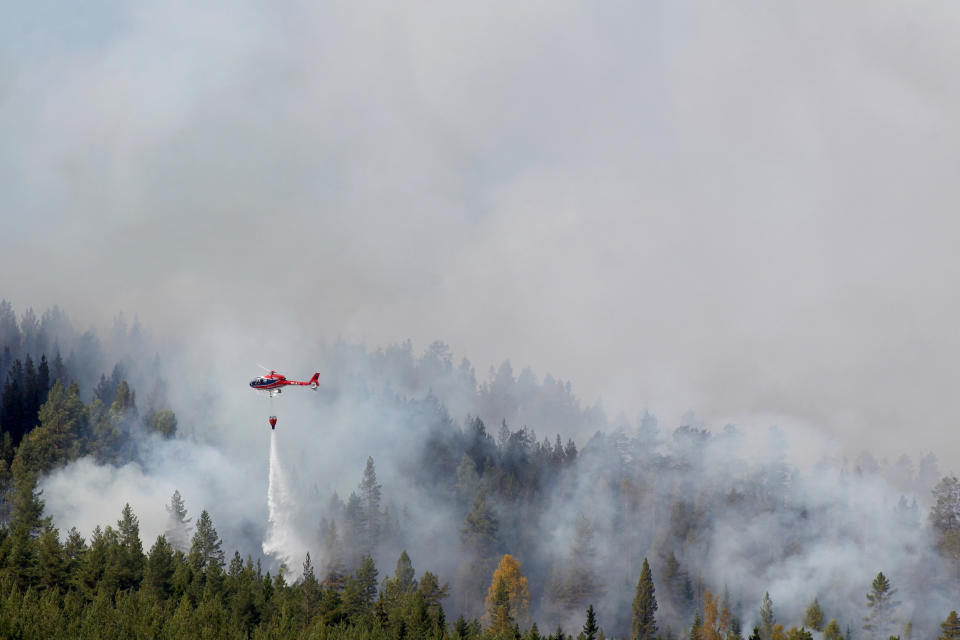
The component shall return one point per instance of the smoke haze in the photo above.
(737, 210)
(747, 212)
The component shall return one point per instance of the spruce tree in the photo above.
(206, 547)
(644, 625)
(814, 617)
(881, 607)
(178, 524)
(832, 631)
(405, 574)
(371, 518)
(945, 520)
(590, 627)
(950, 628)
(696, 626)
(159, 569)
(131, 559)
(767, 619)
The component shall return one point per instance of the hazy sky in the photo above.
(744, 209)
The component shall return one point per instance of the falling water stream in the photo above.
(279, 541)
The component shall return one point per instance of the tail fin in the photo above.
(313, 381)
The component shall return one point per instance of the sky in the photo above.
(745, 210)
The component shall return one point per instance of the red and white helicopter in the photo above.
(273, 383)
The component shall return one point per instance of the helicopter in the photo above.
(272, 384)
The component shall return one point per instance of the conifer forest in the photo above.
(480, 320)
(490, 525)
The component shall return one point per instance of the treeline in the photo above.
(45, 421)
(183, 587)
(504, 484)
(711, 524)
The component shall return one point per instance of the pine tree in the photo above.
(950, 628)
(371, 520)
(27, 513)
(205, 550)
(945, 520)
(159, 569)
(479, 531)
(366, 577)
(405, 574)
(590, 627)
(178, 524)
(814, 617)
(767, 619)
(310, 586)
(51, 567)
(696, 627)
(644, 625)
(131, 559)
(581, 583)
(881, 607)
(163, 423)
(832, 631)
(677, 590)
(333, 572)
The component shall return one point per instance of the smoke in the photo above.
(749, 508)
(747, 211)
(741, 210)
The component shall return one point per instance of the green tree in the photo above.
(159, 569)
(130, 558)
(832, 631)
(479, 532)
(590, 627)
(767, 619)
(945, 520)
(479, 540)
(27, 513)
(950, 628)
(696, 627)
(644, 625)
(881, 608)
(56, 441)
(371, 522)
(814, 617)
(405, 574)
(51, 567)
(163, 423)
(310, 588)
(178, 524)
(205, 551)
(333, 573)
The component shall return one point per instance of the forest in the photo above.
(606, 528)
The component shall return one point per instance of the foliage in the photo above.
(517, 590)
(881, 608)
(644, 625)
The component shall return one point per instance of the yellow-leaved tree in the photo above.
(513, 600)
